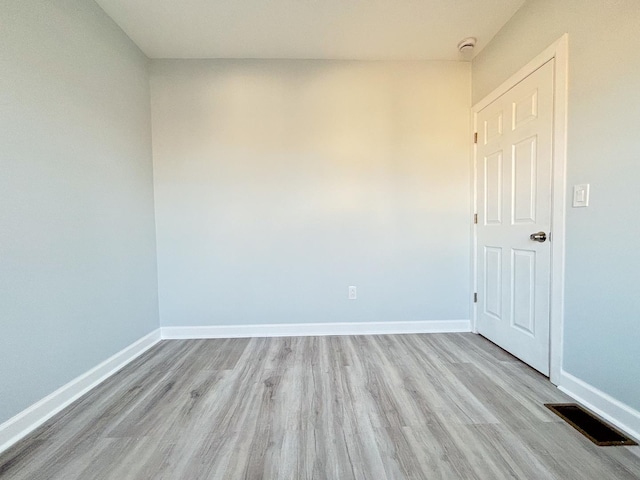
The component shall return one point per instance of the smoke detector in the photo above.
(467, 45)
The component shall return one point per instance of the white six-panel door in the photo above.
(514, 156)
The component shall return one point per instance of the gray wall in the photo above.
(602, 329)
(77, 248)
(280, 183)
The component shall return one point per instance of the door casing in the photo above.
(558, 51)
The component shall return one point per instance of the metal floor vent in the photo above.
(592, 427)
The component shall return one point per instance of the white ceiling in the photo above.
(318, 29)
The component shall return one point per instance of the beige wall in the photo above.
(602, 332)
(280, 183)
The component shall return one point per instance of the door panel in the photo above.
(493, 192)
(523, 266)
(493, 281)
(514, 200)
(523, 194)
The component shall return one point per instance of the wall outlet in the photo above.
(352, 293)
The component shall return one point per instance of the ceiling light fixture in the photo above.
(467, 45)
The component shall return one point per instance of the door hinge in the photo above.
(475, 297)
(475, 137)
(475, 218)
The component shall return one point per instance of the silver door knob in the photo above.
(538, 237)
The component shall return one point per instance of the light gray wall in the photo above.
(280, 183)
(77, 249)
(602, 329)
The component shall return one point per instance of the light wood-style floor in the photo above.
(443, 406)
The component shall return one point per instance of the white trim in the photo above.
(316, 329)
(28, 420)
(556, 314)
(620, 414)
(474, 231)
(559, 51)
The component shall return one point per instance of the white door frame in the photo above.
(559, 51)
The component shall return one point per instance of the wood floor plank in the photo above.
(445, 406)
(501, 400)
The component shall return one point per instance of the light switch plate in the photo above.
(581, 195)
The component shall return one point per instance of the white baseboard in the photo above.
(28, 420)
(619, 414)
(316, 329)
